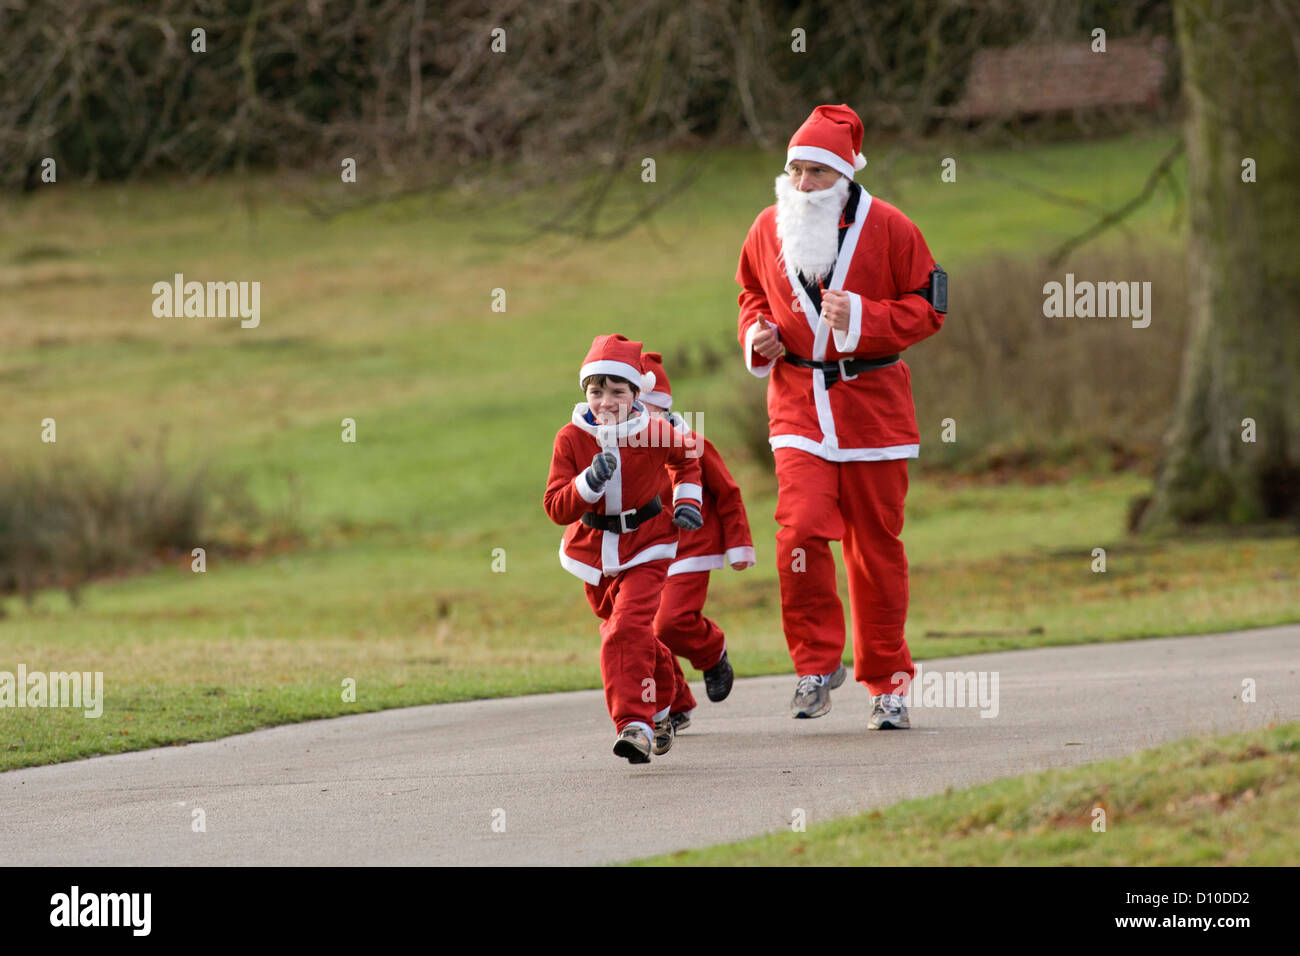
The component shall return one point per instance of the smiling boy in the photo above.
(606, 472)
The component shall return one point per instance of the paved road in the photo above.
(424, 785)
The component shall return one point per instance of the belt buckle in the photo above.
(622, 521)
(844, 373)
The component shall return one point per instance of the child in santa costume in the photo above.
(606, 484)
(835, 285)
(723, 540)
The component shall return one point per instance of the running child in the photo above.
(607, 483)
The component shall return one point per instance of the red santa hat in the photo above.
(832, 136)
(615, 355)
(652, 365)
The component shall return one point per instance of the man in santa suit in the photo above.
(835, 285)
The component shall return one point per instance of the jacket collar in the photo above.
(619, 432)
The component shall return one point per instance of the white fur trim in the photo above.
(610, 367)
(688, 490)
(697, 562)
(712, 562)
(606, 435)
(587, 493)
(822, 401)
(578, 569)
(609, 549)
(592, 575)
(859, 161)
(658, 399)
(648, 380)
(815, 154)
(743, 554)
(835, 453)
(763, 371)
(848, 341)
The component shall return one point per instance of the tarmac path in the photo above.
(531, 780)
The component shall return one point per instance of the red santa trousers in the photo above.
(630, 654)
(860, 503)
(684, 630)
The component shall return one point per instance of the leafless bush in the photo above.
(67, 521)
(416, 91)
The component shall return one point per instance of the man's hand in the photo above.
(767, 343)
(738, 565)
(602, 466)
(835, 309)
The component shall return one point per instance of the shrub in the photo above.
(63, 522)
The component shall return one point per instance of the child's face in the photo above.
(610, 403)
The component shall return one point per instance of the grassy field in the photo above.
(1213, 801)
(384, 316)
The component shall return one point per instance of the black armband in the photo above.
(936, 293)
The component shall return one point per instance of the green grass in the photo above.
(416, 620)
(383, 316)
(1210, 801)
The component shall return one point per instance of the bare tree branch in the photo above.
(1118, 215)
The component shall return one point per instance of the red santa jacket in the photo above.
(724, 538)
(871, 417)
(644, 447)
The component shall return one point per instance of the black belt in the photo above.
(624, 521)
(847, 369)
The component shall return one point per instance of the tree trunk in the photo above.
(1240, 63)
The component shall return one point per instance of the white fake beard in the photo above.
(807, 223)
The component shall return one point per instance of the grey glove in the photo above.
(687, 516)
(602, 466)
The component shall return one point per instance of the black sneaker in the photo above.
(718, 679)
(665, 734)
(633, 744)
(681, 720)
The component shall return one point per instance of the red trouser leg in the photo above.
(871, 502)
(807, 509)
(666, 674)
(682, 626)
(683, 699)
(636, 668)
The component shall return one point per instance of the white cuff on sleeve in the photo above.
(585, 490)
(743, 555)
(761, 371)
(848, 341)
(688, 490)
